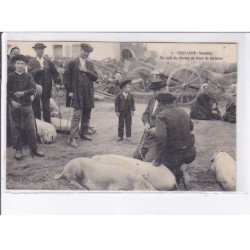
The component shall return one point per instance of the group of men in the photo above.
(167, 137)
(27, 76)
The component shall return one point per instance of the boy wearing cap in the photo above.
(44, 72)
(174, 138)
(78, 79)
(124, 108)
(20, 87)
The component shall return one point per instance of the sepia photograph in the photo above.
(121, 116)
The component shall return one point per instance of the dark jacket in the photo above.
(44, 76)
(23, 82)
(10, 66)
(120, 102)
(202, 108)
(148, 116)
(173, 131)
(81, 84)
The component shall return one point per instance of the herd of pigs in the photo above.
(115, 172)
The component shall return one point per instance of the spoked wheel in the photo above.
(184, 83)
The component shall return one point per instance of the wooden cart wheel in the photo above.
(184, 83)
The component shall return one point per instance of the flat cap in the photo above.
(87, 47)
(39, 46)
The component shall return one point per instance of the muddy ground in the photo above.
(37, 173)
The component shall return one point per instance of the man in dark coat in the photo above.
(44, 72)
(146, 149)
(78, 79)
(175, 142)
(124, 108)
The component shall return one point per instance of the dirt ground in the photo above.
(37, 173)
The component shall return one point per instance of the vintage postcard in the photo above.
(92, 115)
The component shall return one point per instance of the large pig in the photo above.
(160, 177)
(224, 167)
(89, 174)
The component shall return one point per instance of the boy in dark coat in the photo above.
(124, 108)
(20, 87)
(175, 141)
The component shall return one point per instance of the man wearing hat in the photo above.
(20, 87)
(124, 108)
(44, 72)
(146, 149)
(174, 138)
(78, 79)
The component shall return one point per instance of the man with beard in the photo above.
(78, 79)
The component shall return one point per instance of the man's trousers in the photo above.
(83, 116)
(45, 107)
(22, 117)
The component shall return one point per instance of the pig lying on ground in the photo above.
(45, 131)
(224, 167)
(89, 174)
(161, 178)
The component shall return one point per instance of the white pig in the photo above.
(224, 167)
(160, 177)
(89, 174)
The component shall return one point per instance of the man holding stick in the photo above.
(78, 79)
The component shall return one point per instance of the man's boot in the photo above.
(85, 137)
(18, 154)
(36, 152)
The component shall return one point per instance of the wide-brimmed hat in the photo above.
(157, 84)
(39, 46)
(19, 58)
(124, 83)
(165, 98)
(87, 47)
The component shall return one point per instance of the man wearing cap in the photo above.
(20, 87)
(174, 138)
(43, 71)
(146, 149)
(78, 79)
